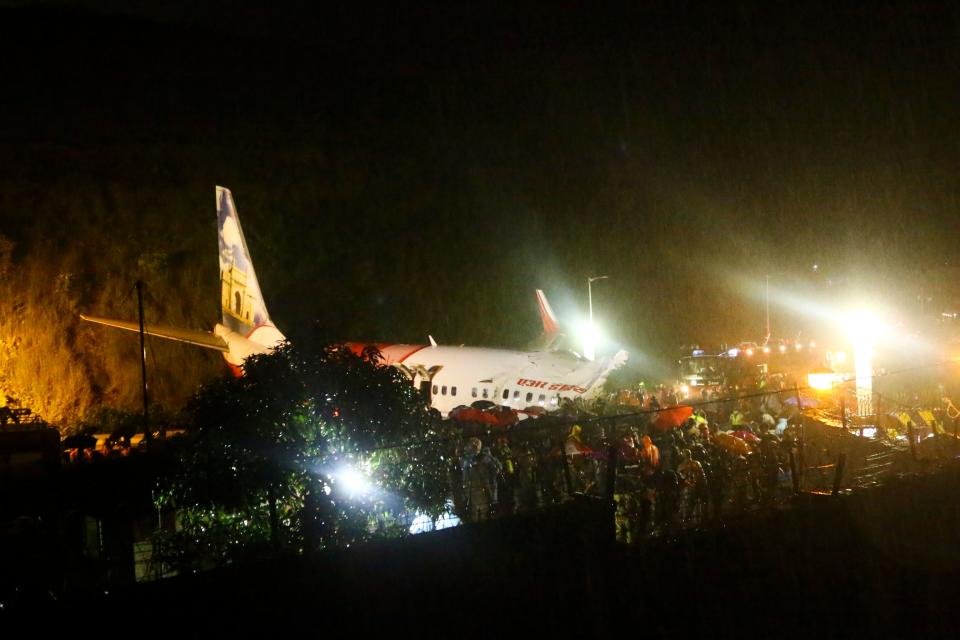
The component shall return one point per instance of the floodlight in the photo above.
(352, 481)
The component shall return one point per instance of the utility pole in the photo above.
(147, 436)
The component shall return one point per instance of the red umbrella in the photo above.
(672, 417)
(506, 418)
(469, 414)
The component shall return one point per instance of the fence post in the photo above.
(843, 412)
(611, 473)
(838, 473)
(793, 472)
(567, 480)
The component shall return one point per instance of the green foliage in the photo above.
(205, 539)
(270, 447)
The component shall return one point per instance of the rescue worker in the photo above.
(649, 467)
(573, 445)
(507, 480)
(628, 453)
(737, 419)
(480, 470)
(526, 476)
(693, 489)
(581, 465)
(649, 457)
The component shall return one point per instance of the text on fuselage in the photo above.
(549, 386)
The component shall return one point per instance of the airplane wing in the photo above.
(203, 339)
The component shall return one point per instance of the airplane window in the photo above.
(541, 399)
(485, 394)
(443, 390)
(453, 391)
(506, 393)
(553, 400)
(529, 397)
(516, 395)
(473, 392)
(434, 389)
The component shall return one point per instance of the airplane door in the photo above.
(425, 391)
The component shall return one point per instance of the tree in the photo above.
(273, 456)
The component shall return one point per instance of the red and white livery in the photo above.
(447, 376)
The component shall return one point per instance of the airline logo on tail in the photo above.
(245, 328)
(241, 302)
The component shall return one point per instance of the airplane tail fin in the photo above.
(242, 306)
(550, 324)
(551, 328)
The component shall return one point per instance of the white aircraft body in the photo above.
(446, 376)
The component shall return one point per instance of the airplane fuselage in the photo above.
(449, 377)
(453, 376)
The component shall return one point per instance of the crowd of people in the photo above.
(718, 458)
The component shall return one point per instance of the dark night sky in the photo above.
(404, 171)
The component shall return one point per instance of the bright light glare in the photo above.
(840, 357)
(353, 482)
(447, 519)
(749, 352)
(766, 349)
(421, 524)
(783, 348)
(822, 380)
(589, 336)
(863, 329)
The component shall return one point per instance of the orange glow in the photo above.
(822, 379)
